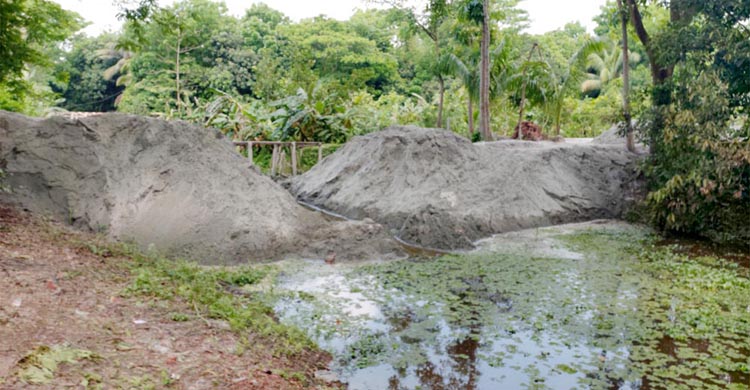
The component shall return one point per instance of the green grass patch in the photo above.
(221, 293)
(40, 365)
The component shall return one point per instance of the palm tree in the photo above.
(563, 84)
(532, 85)
(120, 69)
(626, 77)
(469, 76)
(605, 66)
(440, 68)
(503, 75)
(430, 22)
(484, 75)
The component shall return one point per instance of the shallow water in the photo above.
(695, 249)
(569, 307)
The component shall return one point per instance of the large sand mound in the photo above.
(170, 186)
(435, 189)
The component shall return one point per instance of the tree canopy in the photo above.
(679, 67)
(29, 29)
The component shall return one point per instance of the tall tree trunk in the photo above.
(484, 77)
(441, 81)
(660, 73)
(177, 72)
(661, 94)
(470, 112)
(626, 77)
(441, 100)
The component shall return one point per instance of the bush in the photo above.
(699, 169)
(590, 117)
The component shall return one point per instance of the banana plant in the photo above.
(236, 119)
(311, 116)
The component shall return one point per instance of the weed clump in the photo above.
(221, 293)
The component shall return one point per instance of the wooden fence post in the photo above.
(274, 158)
(294, 158)
(250, 152)
(279, 153)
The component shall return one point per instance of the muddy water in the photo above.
(579, 306)
(694, 248)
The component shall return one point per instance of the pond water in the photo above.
(594, 305)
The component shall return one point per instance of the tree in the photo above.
(91, 74)
(698, 170)
(479, 12)
(119, 71)
(605, 67)
(135, 14)
(484, 75)
(430, 22)
(506, 75)
(341, 56)
(524, 86)
(175, 49)
(468, 73)
(135, 10)
(465, 58)
(662, 67)
(178, 25)
(626, 77)
(491, 16)
(27, 29)
(564, 83)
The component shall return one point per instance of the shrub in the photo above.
(699, 169)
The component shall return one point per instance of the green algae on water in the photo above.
(599, 308)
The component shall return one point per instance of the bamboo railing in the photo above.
(276, 155)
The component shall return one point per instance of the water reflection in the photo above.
(547, 318)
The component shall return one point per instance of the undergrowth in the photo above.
(219, 293)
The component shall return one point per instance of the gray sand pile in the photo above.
(169, 186)
(435, 189)
(615, 136)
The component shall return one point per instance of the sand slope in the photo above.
(169, 186)
(436, 189)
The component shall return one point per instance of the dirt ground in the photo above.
(55, 293)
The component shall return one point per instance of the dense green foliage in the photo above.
(699, 166)
(29, 30)
(263, 76)
(88, 68)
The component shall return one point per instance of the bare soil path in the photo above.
(58, 298)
